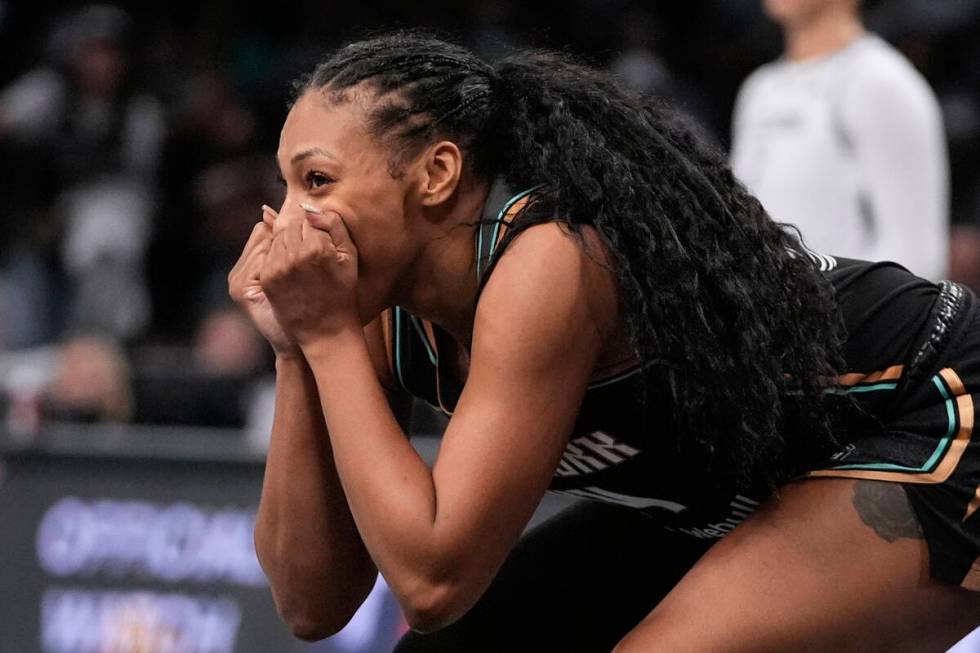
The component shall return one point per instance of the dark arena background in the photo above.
(135, 401)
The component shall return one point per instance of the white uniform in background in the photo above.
(850, 148)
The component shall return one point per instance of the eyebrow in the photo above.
(305, 154)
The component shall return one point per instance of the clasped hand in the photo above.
(310, 278)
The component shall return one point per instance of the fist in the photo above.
(245, 288)
(310, 277)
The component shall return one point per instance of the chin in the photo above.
(370, 307)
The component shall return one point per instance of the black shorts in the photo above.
(926, 442)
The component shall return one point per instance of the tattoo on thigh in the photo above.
(885, 508)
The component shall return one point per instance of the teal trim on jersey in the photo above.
(496, 230)
(425, 341)
(614, 379)
(862, 388)
(871, 388)
(396, 313)
(950, 413)
(936, 455)
(503, 212)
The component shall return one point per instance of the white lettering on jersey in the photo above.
(607, 496)
(742, 507)
(593, 453)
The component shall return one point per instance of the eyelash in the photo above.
(314, 174)
(310, 177)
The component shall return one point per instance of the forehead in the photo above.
(315, 121)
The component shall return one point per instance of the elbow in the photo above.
(313, 625)
(316, 615)
(432, 606)
(312, 602)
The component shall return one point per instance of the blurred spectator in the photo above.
(92, 382)
(228, 344)
(215, 183)
(843, 138)
(82, 144)
(87, 378)
(940, 36)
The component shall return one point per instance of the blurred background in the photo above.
(136, 147)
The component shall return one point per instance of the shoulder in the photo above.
(553, 281)
(881, 73)
(754, 90)
(885, 95)
(758, 79)
(764, 73)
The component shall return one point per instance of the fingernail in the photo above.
(309, 208)
(266, 207)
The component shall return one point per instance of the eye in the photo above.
(316, 179)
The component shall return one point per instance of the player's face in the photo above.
(329, 160)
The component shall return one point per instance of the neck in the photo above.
(822, 33)
(442, 284)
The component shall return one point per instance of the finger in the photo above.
(256, 241)
(247, 270)
(333, 224)
(259, 239)
(269, 265)
(277, 249)
(292, 236)
(269, 215)
(252, 260)
(260, 232)
(311, 234)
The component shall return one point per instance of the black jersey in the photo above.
(614, 453)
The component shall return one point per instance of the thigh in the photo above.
(577, 582)
(825, 565)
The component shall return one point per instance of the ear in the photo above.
(442, 169)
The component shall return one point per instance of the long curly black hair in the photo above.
(731, 308)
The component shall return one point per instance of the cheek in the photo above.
(378, 230)
(376, 215)
(374, 246)
(383, 252)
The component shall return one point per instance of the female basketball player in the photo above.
(624, 324)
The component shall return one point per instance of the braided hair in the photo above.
(739, 325)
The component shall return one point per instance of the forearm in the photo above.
(389, 488)
(305, 536)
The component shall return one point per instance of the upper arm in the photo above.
(896, 126)
(537, 335)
